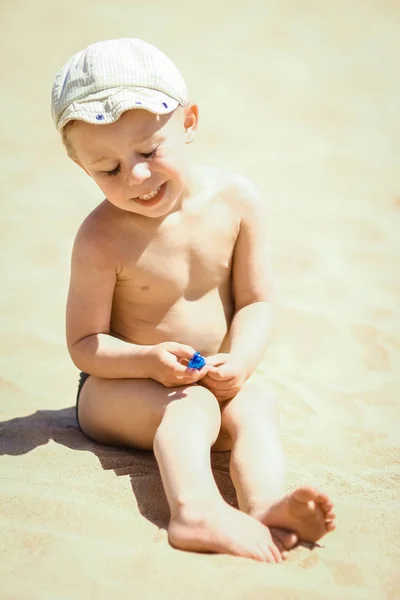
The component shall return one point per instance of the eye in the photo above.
(149, 154)
(114, 171)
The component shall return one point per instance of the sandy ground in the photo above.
(303, 97)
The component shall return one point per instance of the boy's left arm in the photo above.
(250, 328)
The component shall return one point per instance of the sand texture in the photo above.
(303, 97)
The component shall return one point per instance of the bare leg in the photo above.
(181, 424)
(257, 470)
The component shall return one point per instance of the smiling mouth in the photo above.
(152, 194)
(151, 198)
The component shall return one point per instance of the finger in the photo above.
(182, 372)
(183, 361)
(192, 375)
(181, 350)
(197, 373)
(219, 389)
(225, 394)
(216, 359)
(213, 373)
(223, 388)
(224, 372)
(223, 384)
(177, 364)
(176, 368)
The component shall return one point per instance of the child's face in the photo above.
(139, 162)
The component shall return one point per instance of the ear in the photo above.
(191, 120)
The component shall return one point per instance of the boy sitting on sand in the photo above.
(170, 263)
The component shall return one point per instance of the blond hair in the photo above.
(65, 140)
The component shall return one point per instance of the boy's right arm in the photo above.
(92, 283)
(94, 271)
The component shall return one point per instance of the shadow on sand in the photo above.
(21, 435)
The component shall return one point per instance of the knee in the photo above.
(192, 407)
(265, 403)
(262, 406)
(194, 400)
(257, 407)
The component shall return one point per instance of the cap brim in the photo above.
(107, 106)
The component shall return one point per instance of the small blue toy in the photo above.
(197, 361)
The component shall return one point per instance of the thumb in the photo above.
(216, 360)
(181, 350)
(221, 373)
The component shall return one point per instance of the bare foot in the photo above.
(284, 540)
(223, 529)
(306, 511)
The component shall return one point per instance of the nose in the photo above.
(139, 173)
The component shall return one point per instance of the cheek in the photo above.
(174, 163)
(108, 185)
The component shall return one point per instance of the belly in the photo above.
(202, 323)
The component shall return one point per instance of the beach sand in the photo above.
(302, 97)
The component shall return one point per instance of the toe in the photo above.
(288, 538)
(322, 498)
(307, 493)
(268, 556)
(283, 552)
(272, 553)
(276, 553)
(258, 554)
(277, 557)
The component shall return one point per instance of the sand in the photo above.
(302, 97)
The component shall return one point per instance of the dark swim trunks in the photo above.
(82, 378)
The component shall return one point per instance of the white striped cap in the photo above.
(108, 78)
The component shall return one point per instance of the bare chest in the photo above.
(189, 258)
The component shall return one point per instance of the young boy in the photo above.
(173, 262)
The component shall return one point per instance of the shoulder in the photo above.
(245, 194)
(238, 192)
(96, 237)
